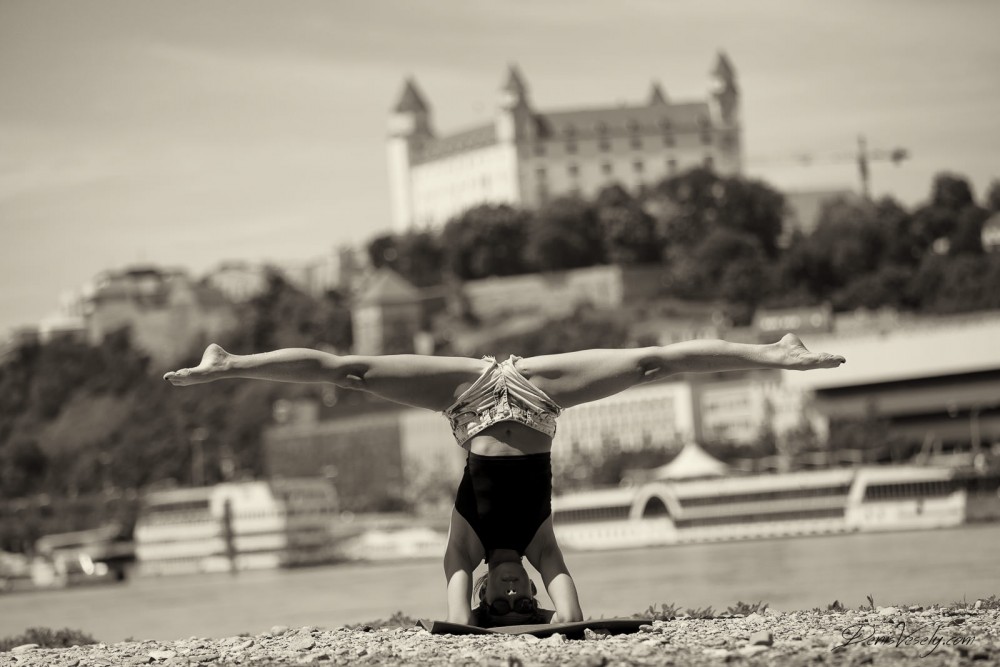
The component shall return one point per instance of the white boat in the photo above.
(876, 498)
(236, 526)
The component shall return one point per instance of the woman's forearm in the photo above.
(459, 594)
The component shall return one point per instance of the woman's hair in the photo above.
(479, 588)
(484, 619)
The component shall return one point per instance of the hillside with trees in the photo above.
(722, 238)
(99, 422)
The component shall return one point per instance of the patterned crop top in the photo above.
(501, 394)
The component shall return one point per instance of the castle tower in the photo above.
(656, 95)
(514, 116)
(725, 105)
(409, 127)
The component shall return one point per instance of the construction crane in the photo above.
(862, 157)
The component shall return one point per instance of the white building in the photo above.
(527, 156)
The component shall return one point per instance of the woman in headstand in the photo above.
(504, 415)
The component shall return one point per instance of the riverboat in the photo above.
(236, 526)
(731, 507)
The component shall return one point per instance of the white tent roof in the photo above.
(692, 462)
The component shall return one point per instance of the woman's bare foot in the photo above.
(214, 362)
(795, 356)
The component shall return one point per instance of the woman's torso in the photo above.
(508, 439)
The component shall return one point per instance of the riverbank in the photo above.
(952, 635)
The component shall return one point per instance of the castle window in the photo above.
(571, 147)
(604, 144)
(671, 167)
(633, 126)
(607, 168)
(539, 149)
(540, 173)
(637, 166)
(668, 138)
(574, 171)
(708, 162)
(636, 142)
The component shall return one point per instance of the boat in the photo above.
(730, 507)
(95, 556)
(237, 526)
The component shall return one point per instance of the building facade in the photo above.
(527, 156)
(167, 312)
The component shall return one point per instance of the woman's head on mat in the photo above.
(506, 595)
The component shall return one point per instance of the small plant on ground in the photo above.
(746, 609)
(664, 613)
(836, 606)
(397, 620)
(707, 612)
(871, 604)
(990, 603)
(47, 638)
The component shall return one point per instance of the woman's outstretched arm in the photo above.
(416, 380)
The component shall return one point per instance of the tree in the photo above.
(22, 466)
(416, 255)
(992, 203)
(628, 231)
(566, 235)
(939, 219)
(700, 200)
(487, 240)
(753, 208)
(896, 227)
(847, 244)
(967, 237)
(951, 192)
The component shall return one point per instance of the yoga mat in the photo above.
(614, 626)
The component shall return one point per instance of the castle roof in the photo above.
(623, 119)
(466, 140)
(411, 101)
(515, 83)
(656, 95)
(724, 68)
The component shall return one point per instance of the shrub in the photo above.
(47, 638)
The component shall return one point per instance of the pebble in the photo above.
(303, 644)
(24, 648)
(162, 655)
(888, 611)
(762, 638)
(750, 651)
(278, 630)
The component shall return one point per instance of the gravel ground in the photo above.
(928, 637)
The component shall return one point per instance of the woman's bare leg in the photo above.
(578, 377)
(417, 380)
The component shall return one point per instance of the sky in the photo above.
(185, 134)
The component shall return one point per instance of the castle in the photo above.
(526, 156)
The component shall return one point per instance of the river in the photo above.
(920, 567)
